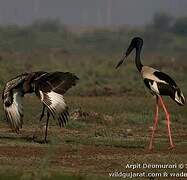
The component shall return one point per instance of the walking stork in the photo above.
(159, 84)
(48, 87)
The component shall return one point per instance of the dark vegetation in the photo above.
(111, 112)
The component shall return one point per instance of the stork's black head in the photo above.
(136, 42)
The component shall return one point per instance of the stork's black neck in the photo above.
(137, 59)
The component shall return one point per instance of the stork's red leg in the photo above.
(155, 124)
(168, 121)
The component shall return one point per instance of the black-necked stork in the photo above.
(49, 87)
(159, 84)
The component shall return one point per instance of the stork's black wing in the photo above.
(164, 77)
(51, 88)
(58, 82)
(159, 88)
(165, 89)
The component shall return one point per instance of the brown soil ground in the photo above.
(19, 151)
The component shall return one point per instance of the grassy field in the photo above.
(103, 135)
(110, 124)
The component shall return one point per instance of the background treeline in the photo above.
(92, 54)
(163, 34)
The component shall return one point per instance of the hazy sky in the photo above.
(89, 12)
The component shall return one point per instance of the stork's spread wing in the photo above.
(56, 105)
(51, 87)
(14, 110)
(58, 82)
(12, 101)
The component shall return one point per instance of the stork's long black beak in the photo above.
(121, 61)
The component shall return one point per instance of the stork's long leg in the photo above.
(155, 124)
(47, 122)
(168, 121)
(41, 117)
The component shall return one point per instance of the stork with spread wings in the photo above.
(48, 87)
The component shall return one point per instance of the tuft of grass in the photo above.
(75, 124)
(108, 141)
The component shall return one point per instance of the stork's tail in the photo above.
(178, 97)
